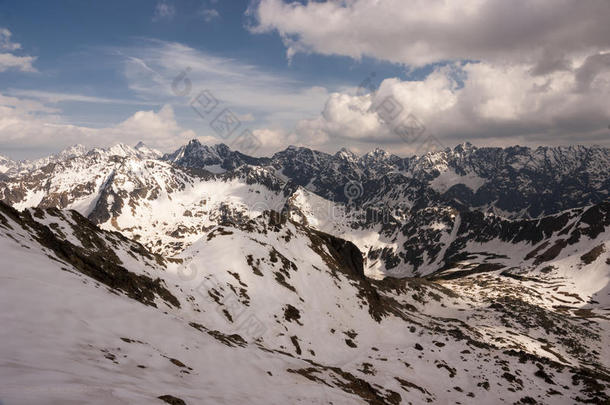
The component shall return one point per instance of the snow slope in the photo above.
(291, 318)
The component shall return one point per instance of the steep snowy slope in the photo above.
(267, 310)
(78, 327)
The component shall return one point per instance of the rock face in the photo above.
(346, 253)
(195, 155)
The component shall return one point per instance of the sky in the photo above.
(259, 75)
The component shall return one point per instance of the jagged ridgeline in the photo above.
(466, 275)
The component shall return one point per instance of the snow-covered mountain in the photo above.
(514, 181)
(11, 167)
(287, 309)
(403, 213)
(216, 159)
(6, 164)
(471, 274)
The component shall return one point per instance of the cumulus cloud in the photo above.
(483, 102)
(523, 71)
(156, 128)
(272, 140)
(270, 101)
(420, 32)
(8, 60)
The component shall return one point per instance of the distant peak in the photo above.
(121, 149)
(377, 153)
(146, 151)
(72, 151)
(464, 146)
(221, 146)
(298, 148)
(120, 145)
(76, 147)
(193, 143)
(346, 154)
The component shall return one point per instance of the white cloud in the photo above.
(29, 124)
(272, 140)
(58, 97)
(246, 117)
(5, 41)
(524, 71)
(210, 14)
(420, 32)
(24, 106)
(493, 104)
(22, 63)
(9, 60)
(208, 140)
(164, 11)
(153, 70)
(258, 98)
(158, 129)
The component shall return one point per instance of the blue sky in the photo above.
(73, 39)
(100, 72)
(82, 47)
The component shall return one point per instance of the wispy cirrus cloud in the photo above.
(59, 97)
(259, 99)
(267, 97)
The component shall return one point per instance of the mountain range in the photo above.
(468, 274)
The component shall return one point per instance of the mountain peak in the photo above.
(464, 147)
(194, 143)
(346, 154)
(376, 154)
(121, 149)
(72, 151)
(147, 152)
(222, 149)
(6, 164)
